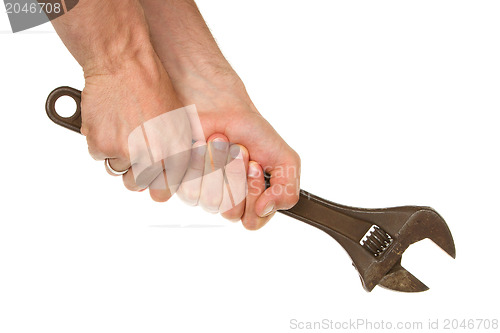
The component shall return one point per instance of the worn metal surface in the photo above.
(388, 231)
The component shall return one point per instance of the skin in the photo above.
(144, 59)
(201, 75)
(125, 82)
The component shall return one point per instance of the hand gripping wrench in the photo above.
(375, 239)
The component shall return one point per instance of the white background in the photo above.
(388, 103)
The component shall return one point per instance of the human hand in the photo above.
(133, 118)
(224, 107)
(128, 98)
(202, 76)
(126, 88)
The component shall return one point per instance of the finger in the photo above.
(134, 183)
(284, 190)
(175, 167)
(235, 183)
(256, 186)
(107, 145)
(159, 189)
(129, 181)
(161, 144)
(97, 150)
(190, 189)
(141, 175)
(213, 174)
(113, 152)
(117, 165)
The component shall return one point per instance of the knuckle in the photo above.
(296, 159)
(94, 154)
(108, 145)
(294, 198)
(84, 130)
(290, 199)
(156, 151)
(100, 145)
(121, 150)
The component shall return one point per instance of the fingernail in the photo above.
(236, 152)
(253, 170)
(268, 210)
(220, 144)
(142, 190)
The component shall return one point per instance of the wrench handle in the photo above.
(328, 216)
(73, 123)
(311, 209)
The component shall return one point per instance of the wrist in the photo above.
(201, 65)
(182, 39)
(124, 40)
(127, 54)
(102, 34)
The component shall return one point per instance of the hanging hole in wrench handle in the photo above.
(73, 122)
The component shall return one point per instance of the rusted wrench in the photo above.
(375, 239)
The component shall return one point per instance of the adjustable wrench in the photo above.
(375, 239)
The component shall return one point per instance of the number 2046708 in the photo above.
(33, 8)
(470, 324)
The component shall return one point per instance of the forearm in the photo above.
(181, 37)
(103, 35)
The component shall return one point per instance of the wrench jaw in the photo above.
(409, 225)
(375, 239)
(427, 223)
(399, 279)
(424, 223)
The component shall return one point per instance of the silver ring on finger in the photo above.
(113, 171)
